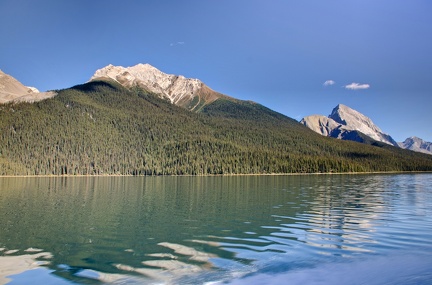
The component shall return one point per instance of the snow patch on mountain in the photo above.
(33, 89)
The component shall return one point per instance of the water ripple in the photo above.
(194, 230)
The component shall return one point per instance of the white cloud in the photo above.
(329, 82)
(177, 43)
(357, 86)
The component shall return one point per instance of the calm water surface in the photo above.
(315, 229)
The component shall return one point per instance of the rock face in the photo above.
(355, 120)
(328, 127)
(186, 92)
(417, 144)
(320, 124)
(11, 90)
(349, 124)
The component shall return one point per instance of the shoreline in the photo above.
(217, 175)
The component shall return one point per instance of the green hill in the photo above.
(103, 128)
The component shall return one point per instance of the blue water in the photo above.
(306, 229)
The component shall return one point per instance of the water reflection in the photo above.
(209, 228)
(11, 265)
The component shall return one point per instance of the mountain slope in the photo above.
(321, 124)
(189, 93)
(347, 124)
(355, 120)
(102, 127)
(417, 144)
(11, 90)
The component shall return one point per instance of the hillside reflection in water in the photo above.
(201, 229)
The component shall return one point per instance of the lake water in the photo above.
(306, 229)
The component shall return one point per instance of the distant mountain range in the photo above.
(140, 121)
(416, 144)
(348, 124)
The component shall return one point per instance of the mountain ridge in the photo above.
(417, 144)
(346, 123)
(105, 128)
(355, 120)
(190, 93)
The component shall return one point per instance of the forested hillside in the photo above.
(104, 128)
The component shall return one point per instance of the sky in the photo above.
(298, 58)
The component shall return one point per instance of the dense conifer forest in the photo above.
(101, 128)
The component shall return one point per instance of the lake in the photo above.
(299, 229)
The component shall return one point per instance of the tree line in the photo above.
(101, 128)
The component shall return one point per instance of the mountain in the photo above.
(417, 144)
(103, 127)
(186, 92)
(348, 124)
(13, 90)
(330, 128)
(355, 120)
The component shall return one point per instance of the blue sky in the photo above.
(278, 53)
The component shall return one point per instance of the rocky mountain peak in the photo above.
(186, 92)
(417, 144)
(355, 120)
(347, 116)
(344, 119)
